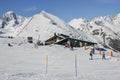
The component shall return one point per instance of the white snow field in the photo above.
(25, 62)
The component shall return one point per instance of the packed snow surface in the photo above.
(25, 62)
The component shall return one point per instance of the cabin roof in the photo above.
(65, 38)
(62, 36)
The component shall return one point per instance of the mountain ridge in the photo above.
(107, 27)
(45, 25)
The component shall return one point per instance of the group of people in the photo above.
(92, 51)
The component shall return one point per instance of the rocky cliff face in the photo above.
(105, 29)
(10, 19)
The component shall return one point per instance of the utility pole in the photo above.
(104, 34)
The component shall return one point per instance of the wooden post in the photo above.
(46, 65)
(100, 52)
(84, 47)
(111, 54)
(76, 65)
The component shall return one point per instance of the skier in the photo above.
(103, 55)
(91, 55)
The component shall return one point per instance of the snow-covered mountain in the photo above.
(110, 24)
(42, 24)
(104, 30)
(45, 25)
(10, 20)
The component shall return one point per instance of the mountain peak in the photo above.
(11, 19)
(9, 12)
(43, 11)
(10, 15)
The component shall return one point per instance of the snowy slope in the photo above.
(26, 62)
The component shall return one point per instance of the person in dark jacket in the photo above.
(93, 50)
(71, 44)
(103, 55)
(91, 55)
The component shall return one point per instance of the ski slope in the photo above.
(25, 62)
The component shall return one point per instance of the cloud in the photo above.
(31, 9)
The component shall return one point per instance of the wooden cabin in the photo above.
(62, 39)
(75, 42)
(55, 38)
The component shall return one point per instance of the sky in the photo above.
(64, 9)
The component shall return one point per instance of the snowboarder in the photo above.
(91, 55)
(103, 55)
